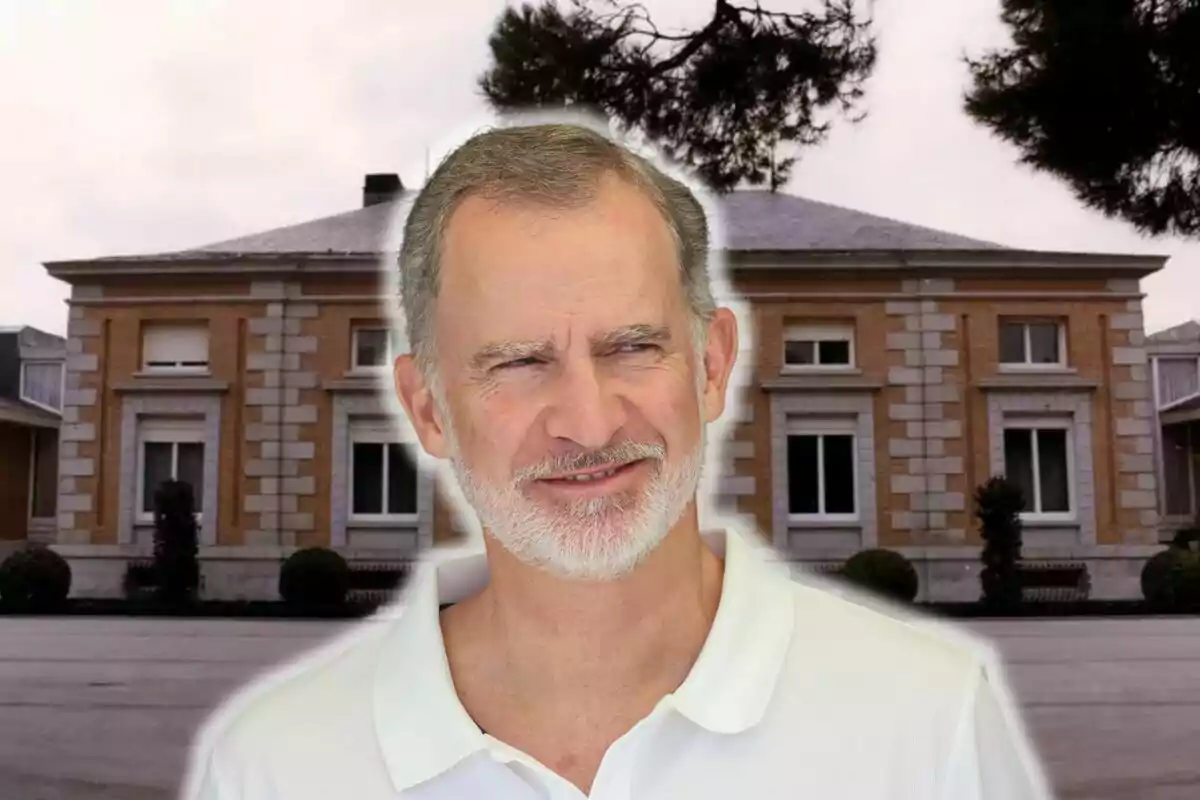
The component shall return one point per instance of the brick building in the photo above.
(31, 394)
(1175, 360)
(896, 368)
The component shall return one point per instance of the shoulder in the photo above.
(322, 696)
(857, 634)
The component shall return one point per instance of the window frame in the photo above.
(817, 333)
(1035, 424)
(33, 464)
(376, 433)
(1027, 364)
(176, 368)
(62, 383)
(175, 432)
(1158, 388)
(821, 429)
(390, 353)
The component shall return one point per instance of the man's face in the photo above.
(574, 400)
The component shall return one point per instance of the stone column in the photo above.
(78, 463)
(922, 495)
(274, 413)
(1135, 481)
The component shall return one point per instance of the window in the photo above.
(812, 347)
(383, 477)
(170, 450)
(1178, 379)
(375, 348)
(1037, 457)
(1181, 483)
(1032, 343)
(175, 348)
(821, 472)
(42, 384)
(43, 474)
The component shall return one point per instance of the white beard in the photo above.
(599, 539)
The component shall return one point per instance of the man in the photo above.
(567, 359)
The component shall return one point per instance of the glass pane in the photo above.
(371, 347)
(802, 475)
(1176, 470)
(402, 481)
(1177, 378)
(1052, 469)
(156, 468)
(45, 474)
(1195, 448)
(1012, 343)
(367, 492)
(43, 384)
(191, 470)
(797, 352)
(1018, 462)
(839, 475)
(1043, 343)
(834, 352)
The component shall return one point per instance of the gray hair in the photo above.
(556, 163)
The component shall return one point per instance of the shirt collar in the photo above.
(424, 730)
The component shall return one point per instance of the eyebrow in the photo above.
(544, 349)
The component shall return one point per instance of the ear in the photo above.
(720, 353)
(418, 403)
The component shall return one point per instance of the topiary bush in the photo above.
(34, 579)
(1171, 578)
(314, 577)
(176, 546)
(1183, 580)
(1155, 576)
(884, 572)
(998, 506)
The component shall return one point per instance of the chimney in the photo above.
(381, 188)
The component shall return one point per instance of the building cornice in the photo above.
(909, 263)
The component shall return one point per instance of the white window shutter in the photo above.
(175, 346)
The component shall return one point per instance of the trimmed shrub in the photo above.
(998, 506)
(176, 547)
(314, 577)
(1156, 573)
(1172, 578)
(35, 579)
(884, 572)
(1183, 580)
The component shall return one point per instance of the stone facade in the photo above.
(932, 400)
(925, 400)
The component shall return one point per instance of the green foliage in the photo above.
(176, 562)
(314, 577)
(722, 99)
(34, 579)
(1172, 578)
(998, 505)
(884, 572)
(1155, 574)
(1102, 95)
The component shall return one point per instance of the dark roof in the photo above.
(1186, 332)
(21, 413)
(753, 220)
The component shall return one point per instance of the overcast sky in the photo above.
(138, 126)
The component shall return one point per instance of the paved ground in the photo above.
(104, 709)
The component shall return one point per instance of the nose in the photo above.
(584, 408)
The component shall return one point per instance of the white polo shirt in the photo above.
(800, 691)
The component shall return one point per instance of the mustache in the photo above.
(615, 455)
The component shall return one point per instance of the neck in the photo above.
(580, 641)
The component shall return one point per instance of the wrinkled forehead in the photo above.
(525, 268)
